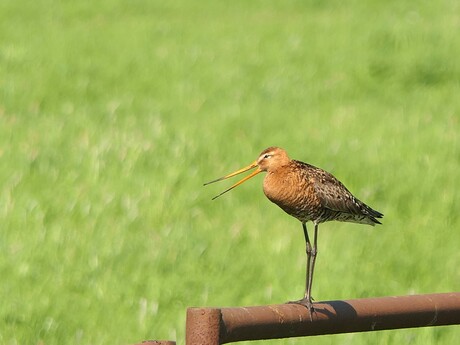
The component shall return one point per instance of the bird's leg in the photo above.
(311, 268)
(307, 300)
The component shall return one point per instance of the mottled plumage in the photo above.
(307, 193)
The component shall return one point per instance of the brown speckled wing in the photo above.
(334, 195)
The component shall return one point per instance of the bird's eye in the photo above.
(266, 156)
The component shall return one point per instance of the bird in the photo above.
(307, 193)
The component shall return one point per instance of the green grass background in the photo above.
(113, 114)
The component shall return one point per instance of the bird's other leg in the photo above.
(307, 300)
(314, 252)
(308, 249)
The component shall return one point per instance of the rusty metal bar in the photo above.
(215, 326)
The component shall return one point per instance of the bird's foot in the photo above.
(306, 302)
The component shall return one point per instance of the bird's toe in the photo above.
(307, 303)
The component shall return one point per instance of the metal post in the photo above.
(203, 326)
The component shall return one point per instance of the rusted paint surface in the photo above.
(359, 315)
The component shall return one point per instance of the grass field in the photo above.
(114, 113)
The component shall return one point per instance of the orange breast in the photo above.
(292, 191)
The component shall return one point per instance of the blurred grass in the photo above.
(114, 113)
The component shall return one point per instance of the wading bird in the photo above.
(307, 193)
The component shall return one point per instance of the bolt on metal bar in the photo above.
(215, 326)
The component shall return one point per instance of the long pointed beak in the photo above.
(249, 167)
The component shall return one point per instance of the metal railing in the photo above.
(215, 326)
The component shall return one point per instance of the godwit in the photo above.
(307, 193)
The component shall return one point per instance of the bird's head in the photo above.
(272, 158)
(269, 160)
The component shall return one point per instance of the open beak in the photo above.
(249, 167)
